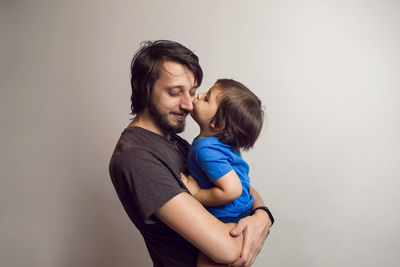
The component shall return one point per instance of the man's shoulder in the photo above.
(136, 139)
(130, 154)
(138, 147)
(134, 146)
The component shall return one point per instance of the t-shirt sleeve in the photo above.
(213, 162)
(145, 181)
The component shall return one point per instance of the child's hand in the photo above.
(184, 179)
(190, 183)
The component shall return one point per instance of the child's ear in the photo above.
(219, 128)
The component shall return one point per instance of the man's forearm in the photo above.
(255, 229)
(192, 221)
(258, 202)
(257, 198)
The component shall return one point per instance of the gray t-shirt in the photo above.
(145, 170)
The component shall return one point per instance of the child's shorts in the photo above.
(234, 219)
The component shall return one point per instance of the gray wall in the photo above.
(327, 162)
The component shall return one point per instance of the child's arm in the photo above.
(227, 188)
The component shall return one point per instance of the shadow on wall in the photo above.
(99, 232)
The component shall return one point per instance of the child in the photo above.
(230, 117)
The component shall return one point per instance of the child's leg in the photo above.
(204, 261)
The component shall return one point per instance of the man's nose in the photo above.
(187, 102)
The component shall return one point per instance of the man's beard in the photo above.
(162, 120)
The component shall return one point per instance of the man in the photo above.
(149, 157)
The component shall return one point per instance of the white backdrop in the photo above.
(327, 162)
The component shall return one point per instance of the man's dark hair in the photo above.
(239, 116)
(146, 68)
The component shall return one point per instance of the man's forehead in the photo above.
(176, 73)
(174, 69)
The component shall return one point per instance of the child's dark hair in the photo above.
(239, 116)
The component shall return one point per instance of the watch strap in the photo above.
(264, 208)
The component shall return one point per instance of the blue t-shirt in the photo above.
(210, 159)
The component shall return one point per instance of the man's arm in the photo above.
(188, 218)
(191, 220)
(255, 230)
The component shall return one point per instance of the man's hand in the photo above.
(255, 230)
(190, 183)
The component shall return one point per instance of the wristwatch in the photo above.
(264, 208)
